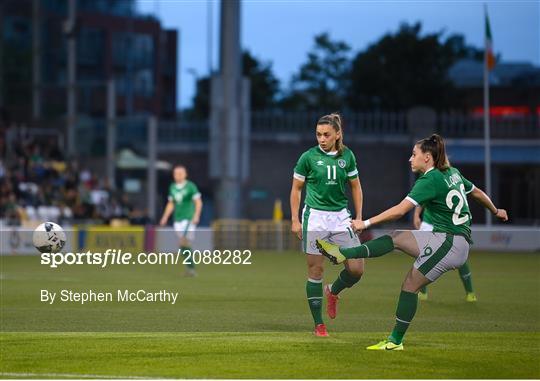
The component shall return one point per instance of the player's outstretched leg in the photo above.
(375, 248)
(466, 279)
(330, 251)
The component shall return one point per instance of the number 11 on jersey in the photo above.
(331, 171)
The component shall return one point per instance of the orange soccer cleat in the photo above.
(320, 331)
(331, 302)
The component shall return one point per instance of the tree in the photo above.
(406, 69)
(264, 87)
(400, 70)
(457, 48)
(321, 81)
(201, 100)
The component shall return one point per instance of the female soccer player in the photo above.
(326, 169)
(442, 191)
(423, 221)
(184, 200)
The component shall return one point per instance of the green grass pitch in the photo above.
(252, 321)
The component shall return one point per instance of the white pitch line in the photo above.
(72, 375)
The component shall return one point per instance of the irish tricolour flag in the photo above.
(489, 56)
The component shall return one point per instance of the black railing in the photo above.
(268, 125)
(501, 127)
(268, 122)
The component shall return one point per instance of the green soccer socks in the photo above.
(314, 292)
(344, 280)
(465, 275)
(189, 261)
(375, 248)
(406, 308)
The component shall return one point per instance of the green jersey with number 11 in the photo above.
(443, 195)
(326, 175)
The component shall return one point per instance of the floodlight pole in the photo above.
(69, 29)
(1, 62)
(229, 117)
(151, 178)
(487, 140)
(111, 134)
(210, 34)
(36, 60)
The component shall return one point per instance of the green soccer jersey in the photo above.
(326, 176)
(443, 195)
(183, 195)
(426, 217)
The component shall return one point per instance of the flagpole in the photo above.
(487, 135)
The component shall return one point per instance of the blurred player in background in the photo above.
(326, 169)
(184, 200)
(441, 190)
(422, 221)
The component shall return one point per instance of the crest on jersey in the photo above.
(342, 163)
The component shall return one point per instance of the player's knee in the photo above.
(316, 271)
(406, 282)
(356, 271)
(410, 284)
(396, 236)
(408, 287)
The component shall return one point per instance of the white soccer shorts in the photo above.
(334, 227)
(439, 253)
(185, 228)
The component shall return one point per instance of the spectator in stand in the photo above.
(39, 176)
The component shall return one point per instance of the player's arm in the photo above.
(357, 196)
(197, 200)
(392, 214)
(296, 196)
(422, 191)
(167, 213)
(417, 221)
(482, 198)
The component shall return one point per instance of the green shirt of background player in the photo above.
(325, 170)
(442, 191)
(184, 200)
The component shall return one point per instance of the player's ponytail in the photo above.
(436, 147)
(336, 122)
